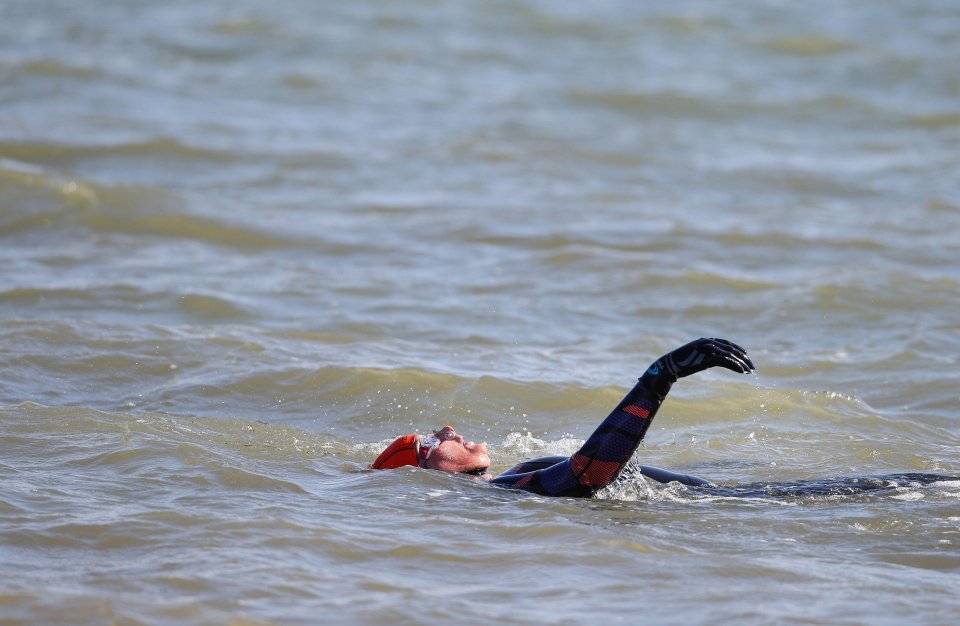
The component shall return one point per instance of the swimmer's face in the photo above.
(455, 454)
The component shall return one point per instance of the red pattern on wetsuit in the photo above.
(633, 409)
(592, 472)
(526, 478)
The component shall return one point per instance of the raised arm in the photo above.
(602, 457)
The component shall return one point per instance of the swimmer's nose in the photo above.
(446, 433)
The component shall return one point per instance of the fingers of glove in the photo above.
(703, 353)
(737, 351)
(731, 362)
(729, 344)
(721, 353)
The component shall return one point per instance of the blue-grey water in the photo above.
(245, 244)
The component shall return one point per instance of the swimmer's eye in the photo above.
(429, 441)
(427, 445)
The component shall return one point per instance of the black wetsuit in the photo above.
(608, 450)
(839, 486)
(603, 456)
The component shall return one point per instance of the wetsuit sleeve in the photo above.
(603, 456)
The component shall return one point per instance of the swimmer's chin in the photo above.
(479, 474)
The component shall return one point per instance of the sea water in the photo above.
(243, 245)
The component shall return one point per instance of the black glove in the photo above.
(695, 357)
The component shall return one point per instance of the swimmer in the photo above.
(601, 458)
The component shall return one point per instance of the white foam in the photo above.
(909, 496)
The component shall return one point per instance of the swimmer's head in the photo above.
(406, 450)
(444, 450)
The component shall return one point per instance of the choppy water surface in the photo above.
(244, 244)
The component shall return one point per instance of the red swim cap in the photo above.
(403, 451)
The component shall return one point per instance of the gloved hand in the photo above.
(694, 357)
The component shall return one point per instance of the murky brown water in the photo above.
(243, 245)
